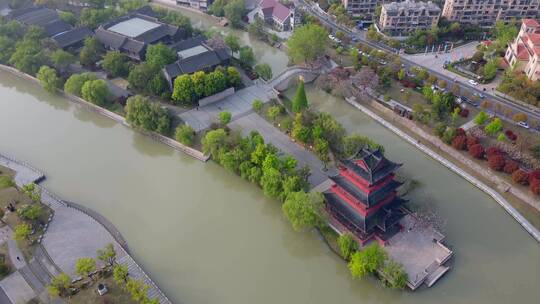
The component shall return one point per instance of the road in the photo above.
(359, 36)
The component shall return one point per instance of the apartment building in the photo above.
(361, 8)
(523, 54)
(486, 12)
(196, 4)
(401, 18)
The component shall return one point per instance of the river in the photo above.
(206, 236)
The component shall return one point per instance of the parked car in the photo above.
(474, 83)
(523, 124)
(481, 96)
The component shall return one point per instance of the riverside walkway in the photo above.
(473, 180)
(72, 234)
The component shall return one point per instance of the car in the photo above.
(474, 83)
(481, 96)
(523, 124)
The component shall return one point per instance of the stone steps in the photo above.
(137, 273)
(436, 275)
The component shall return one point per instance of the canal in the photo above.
(206, 236)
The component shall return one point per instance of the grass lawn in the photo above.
(395, 93)
(89, 295)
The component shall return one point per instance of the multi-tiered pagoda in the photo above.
(363, 198)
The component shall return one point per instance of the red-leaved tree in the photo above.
(534, 174)
(493, 151)
(459, 143)
(520, 177)
(496, 162)
(511, 166)
(535, 186)
(476, 151)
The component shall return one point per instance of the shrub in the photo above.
(510, 167)
(520, 177)
(481, 118)
(496, 162)
(493, 151)
(449, 135)
(225, 117)
(535, 186)
(439, 129)
(471, 141)
(520, 117)
(257, 105)
(510, 135)
(347, 245)
(459, 143)
(494, 127)
(476, 151)
(464, 113)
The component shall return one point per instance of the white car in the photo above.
(474, 83)
(523, 124)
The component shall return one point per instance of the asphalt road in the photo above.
(359, 36)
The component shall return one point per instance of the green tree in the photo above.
(184, 134)
(401, 74)
(107, 255)
(62, 59)
(481, 118)
(67, 17)
(85, 266)
(197, 86)
(91, 51)
(214, 82)
(233, 77)
(232, 42)
(213, 141)
(146, 115)
(60, 285)
(273, 112)
(7, 48)
(303, 210)
(347, 245)
(300, 101)
(494, 127)
(159, 55)
(264, 71)
(393, 275)
(490, 68)
(138, 290)
(48, 79)
(367, 261)
(247, 57)
(307, 43)
(116, 64)
(271, 182)
(257, 105)
(120, 274)
(183, 90)
(225, 117)
(75, 83)
(141, 75)
(234, 12)
(22, 232)
(29, 212)
(96, 92)
(92, 17)
(28, 56)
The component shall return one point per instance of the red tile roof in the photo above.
(522, 53)
(279, 10)
(534, 37)
(531, 22)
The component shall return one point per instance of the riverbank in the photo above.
(531, 229)
(114, 116)
(72, 233)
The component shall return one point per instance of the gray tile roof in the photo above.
(72, 37)
(188, 43)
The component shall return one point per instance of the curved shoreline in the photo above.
(533, 231)
(25, 173)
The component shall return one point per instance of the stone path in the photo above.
(473, 180)
(271, 134)
(238, 104)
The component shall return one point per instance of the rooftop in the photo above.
(133, 27)
(196, 50)
(275, 8)
(410, 5)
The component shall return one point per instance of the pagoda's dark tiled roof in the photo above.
(72, 37)
(377, 166)
(391, 214)
(371, 199)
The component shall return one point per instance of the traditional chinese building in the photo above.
(363, 198)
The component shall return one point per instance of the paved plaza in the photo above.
(16, 289)
(271, 134)
(238, 104)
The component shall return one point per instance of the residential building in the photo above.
(401, 18)
(63, 33)
(362, 8)
(486, 12)
(523, 54)
(363, 198)
(276, 14)
(195, 54)
(196, 4)
(131, 34)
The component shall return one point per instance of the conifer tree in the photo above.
(300, 102)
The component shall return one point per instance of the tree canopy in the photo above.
(96, 92)
(300, 101)
(85, 266)
(367, 261)
(48, 79)
(307, 43)
(75, 82)
(116, 64)
(303, 210)
(159, 55)
(147, 115)
(91, 51)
